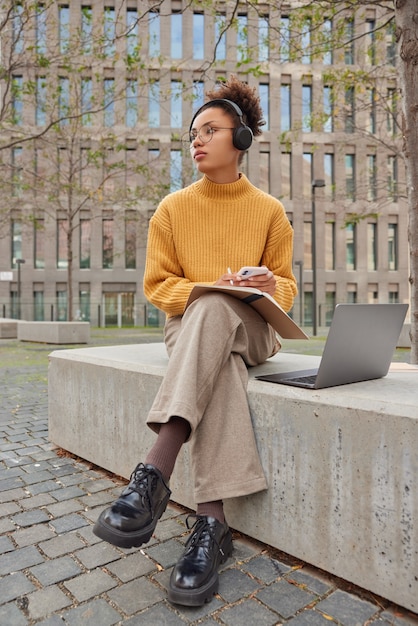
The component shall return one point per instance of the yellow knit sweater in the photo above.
(198, 232)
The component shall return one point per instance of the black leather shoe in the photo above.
(131, 519)
(194, 580)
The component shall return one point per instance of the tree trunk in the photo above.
(406, 14)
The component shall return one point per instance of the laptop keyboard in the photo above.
(310, 380)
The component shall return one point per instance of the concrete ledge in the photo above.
(8, 328)
(54, 332)
(342, 463)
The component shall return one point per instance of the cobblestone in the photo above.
(55, 572)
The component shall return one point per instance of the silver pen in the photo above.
(230, 272)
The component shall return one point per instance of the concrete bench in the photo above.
(54, 332)
(8, 328)
(342, 463)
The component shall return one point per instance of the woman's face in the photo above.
(212, 150)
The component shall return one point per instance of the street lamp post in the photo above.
(315, 183)
(19, 287)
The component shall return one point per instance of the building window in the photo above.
(38, 306)
(198, 94)
(307, 174)
(40, 104)
(198, 36)
(84, 297)
(285, 108)
(330, 245)
(154, 104)
(351, 295)
(328, 123)
(391, 111)
(350, 177)
(392, 246)
(39, 244)
(176, 36)
(109, 102)
(109, 32)
(130, 244)
(86, 101)
(242, 37)
(329, 174)
(371, 42)
(107, 237)
(175, 170)
(327, 39)
(17, 27)
(372, 178)
(220, 37)
(306, 42)
(154, 46)
(330, 301)
(264, 93)
(132, 32)
(263, 39)
(86, 29)
(64, 100)
(349, 46)
(85, 244)
(265, 171)
(17, 172)
(62, 306)
(176, 104)
(307, 245)
(64, 28)
(306, 108)
(371, 96)
(392, 177)
(131, 114)
(349, 110)
(393, 296)
(286, 174)
(350, 247)
(40, 29)
(372, 247)
(284, 35)
(17, 101)
(16, 247)
(62, 244)
(391, 43)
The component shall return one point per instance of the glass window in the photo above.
(17, 27)
(198, 94)
(64, 27)
(285, 110)
(306, 42)
(175, 170)
(242, 37)
(393, 246)
(371, 96)
(284, 33)
(38, 306)
(393, 297)
(16, 247)
(350, 246)
(64, 100)
(17, 171)
(391, 111)
(329, 173)
(109, 31)
(330, 245)
(39, 244)
(349, 110)
(154, 104)
(40, 28)
(327, 37)
(328, 124)
(264, 93)
(371, 247)
(17, 102)
(62, 249)
(40, 107)
(84, 296)
(176, 36)
(392, 177)
(350, 174)
(86, 29)
(391, 43)
(61, 306)
(307, 174)
(85, 243)
(130, 244)
(263, 38)
(86, 101)
(306, 108)
(176, 104)
(132, 32)
(307, 245)
(330, 301)
(349, 47)
(198, 36)
(131, 116)
(154, 34)
(372, 176)
(220, 37)
(371, 42)
(286, 174)
(109, 102)
(107, 236)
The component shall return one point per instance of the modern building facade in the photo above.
(329, 150)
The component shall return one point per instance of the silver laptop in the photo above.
(360, 345)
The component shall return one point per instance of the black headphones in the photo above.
(242, 136)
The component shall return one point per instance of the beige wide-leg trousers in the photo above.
(210, 348)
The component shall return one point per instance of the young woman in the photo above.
(222, 221)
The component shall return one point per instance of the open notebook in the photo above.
(359, 346)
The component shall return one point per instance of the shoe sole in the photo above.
(204, 594)
(133, 539)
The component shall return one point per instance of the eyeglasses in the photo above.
(205, 134)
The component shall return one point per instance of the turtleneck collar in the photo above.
(223, 192)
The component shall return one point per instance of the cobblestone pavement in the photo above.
(54, 571)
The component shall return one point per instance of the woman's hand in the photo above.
(263, 282)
